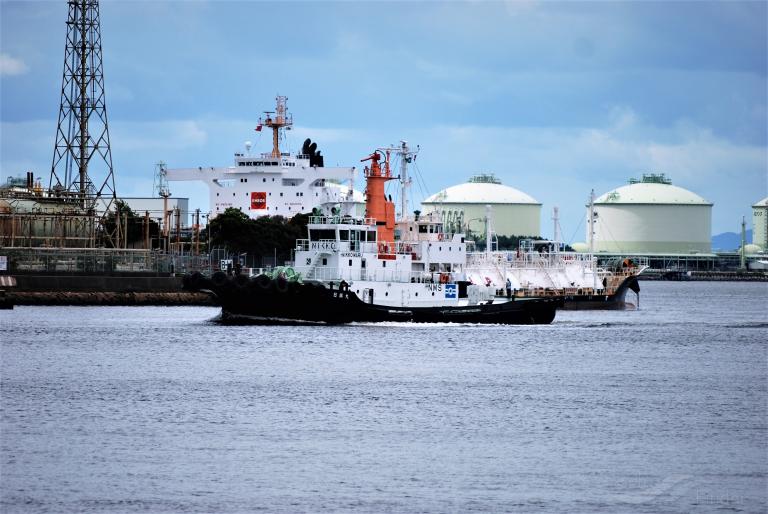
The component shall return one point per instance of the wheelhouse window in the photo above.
(322, 234)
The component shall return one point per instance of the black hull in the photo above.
(616, 301)
(274, 302)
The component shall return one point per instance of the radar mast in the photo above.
(276, 120)
(407, 155)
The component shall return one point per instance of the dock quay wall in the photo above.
(102, 290)
(712, 276)
(107, 298)
(63, 276)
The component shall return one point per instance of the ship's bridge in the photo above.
(266, 160)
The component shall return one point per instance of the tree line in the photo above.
(261, 237)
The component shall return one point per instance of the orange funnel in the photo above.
(376, 204)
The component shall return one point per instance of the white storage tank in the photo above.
(760, 224)
(650, 215)
(514, 213)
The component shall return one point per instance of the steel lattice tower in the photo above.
(81, 172)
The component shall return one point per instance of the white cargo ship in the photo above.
(276, 182)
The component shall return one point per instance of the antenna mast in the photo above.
(163, 191)
(407, 156)
(281, 119)
(591, 220)
(81, 170)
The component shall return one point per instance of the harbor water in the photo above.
(160, 409)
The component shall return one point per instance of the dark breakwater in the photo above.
(108, 298)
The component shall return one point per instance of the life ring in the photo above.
(440, 236)
(444, 278)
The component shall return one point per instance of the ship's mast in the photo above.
(488, 231)
(742, 256)
(591, 221)
(592, 237)
(281, 119)
(407, 156)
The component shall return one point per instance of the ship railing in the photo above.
(333, 245)
(393, 248)
(530, 259)
(408, 248)
(340, 220)
(326, 274)
(537, 291)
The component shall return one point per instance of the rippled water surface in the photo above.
(142, 409)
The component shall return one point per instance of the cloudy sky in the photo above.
(554, 98)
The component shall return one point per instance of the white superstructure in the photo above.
(276, 183)
(421, 270)
(650, 215)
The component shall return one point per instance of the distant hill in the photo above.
(729, 241)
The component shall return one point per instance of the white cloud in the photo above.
(157, 135)
(517, 7)
(10, 66)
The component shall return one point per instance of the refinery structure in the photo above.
(66, 211)
(73, 208)
(74, 221)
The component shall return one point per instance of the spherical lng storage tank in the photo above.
(464, 206)
(650, 215)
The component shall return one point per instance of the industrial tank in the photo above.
(650, 215)
(463, 207)
(760, 223)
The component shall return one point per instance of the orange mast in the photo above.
(377, 206)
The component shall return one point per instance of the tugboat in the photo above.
(372, 269)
